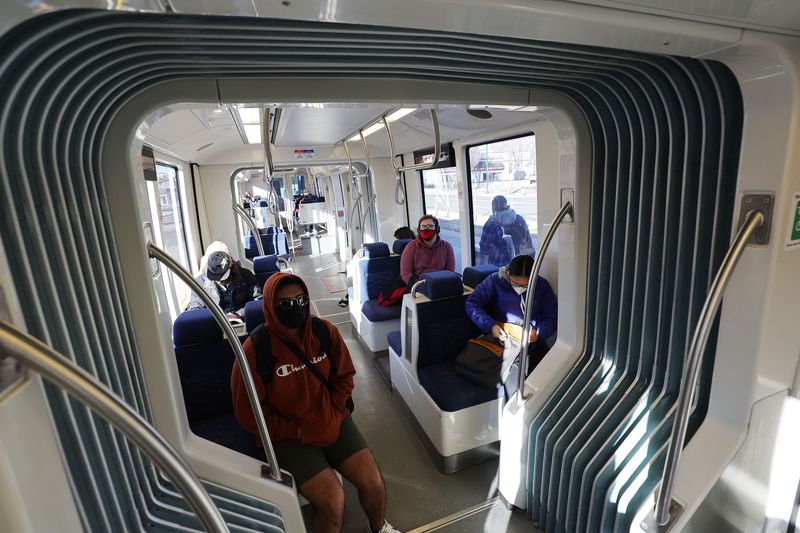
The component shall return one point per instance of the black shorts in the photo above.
(304, 461)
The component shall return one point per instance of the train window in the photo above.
(440, 199)
(165, 206)
(502, 177)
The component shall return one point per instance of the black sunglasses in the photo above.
(301, 300)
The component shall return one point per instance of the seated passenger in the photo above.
(427, 253)
(305, 393)
(497, 306)
(504, 221)
(227, 283)
(404, 232)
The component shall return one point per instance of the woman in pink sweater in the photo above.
(427, 253)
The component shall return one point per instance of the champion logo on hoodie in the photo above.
(289, 369)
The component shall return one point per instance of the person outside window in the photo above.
(309, 420)
(427, 253)
(228, 283)
(504, 221)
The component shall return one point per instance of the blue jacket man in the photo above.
(499, 300)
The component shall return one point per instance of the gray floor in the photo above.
(417, 493)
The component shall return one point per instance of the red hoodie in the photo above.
(298, 408)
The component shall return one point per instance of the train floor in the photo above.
(418, 495)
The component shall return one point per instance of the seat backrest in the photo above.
(374, 270)
(264, 266)
(273, 239)
(444, 312)
(399, 245)
(205, 360)
(475, 274)
(253, 315)
(373, 275)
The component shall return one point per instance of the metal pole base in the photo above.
(650, 525)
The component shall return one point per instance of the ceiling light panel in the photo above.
(400, 113)
(253, 133)
(250, 115)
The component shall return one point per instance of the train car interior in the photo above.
(640, 155)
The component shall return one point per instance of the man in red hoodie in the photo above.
(309, 423)
(427, 253)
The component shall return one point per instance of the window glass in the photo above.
(171, 231)
(440, 196)
(502, 176)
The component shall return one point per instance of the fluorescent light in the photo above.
(253, 133)
(372, 129)
(250, 115)
(400, 113)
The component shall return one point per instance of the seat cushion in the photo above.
(226, 431)
(452, 392)
(376, 313)
(395, 342)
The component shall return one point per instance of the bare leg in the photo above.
(361, 470)
(327, 498)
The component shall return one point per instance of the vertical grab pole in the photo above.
(247, 375)
(537, 266)
(239, 210)
(269, 165)
(753, 221)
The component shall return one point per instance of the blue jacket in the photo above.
(495, 301)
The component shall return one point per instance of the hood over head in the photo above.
(505, 217)
(275, 326)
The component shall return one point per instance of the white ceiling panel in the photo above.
(176, 125)
(309, 126)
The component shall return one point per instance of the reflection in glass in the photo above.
(440, 192)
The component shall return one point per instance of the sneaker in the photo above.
(387, 528)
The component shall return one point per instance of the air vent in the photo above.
(204, 147)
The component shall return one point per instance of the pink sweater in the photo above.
(418, 258)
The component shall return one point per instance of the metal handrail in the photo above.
(436, 146)
(80, 384)
(416, 286)
(233, 339)
(366, 214)
(284, 261)
(366, 156)
(753, 221)
(399, 190)
(537, 266)
(269, 165)
(239, 210)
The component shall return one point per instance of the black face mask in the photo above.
(294, 318)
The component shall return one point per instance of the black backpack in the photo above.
(265, 361)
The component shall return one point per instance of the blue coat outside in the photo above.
(494, 301)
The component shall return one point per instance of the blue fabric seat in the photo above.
(264, 266)
(253, 315)
(205, 360)
(475, 274)
(450, 391)
(437, 352)
(377, 313)
(395, 342)
(399, 245)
